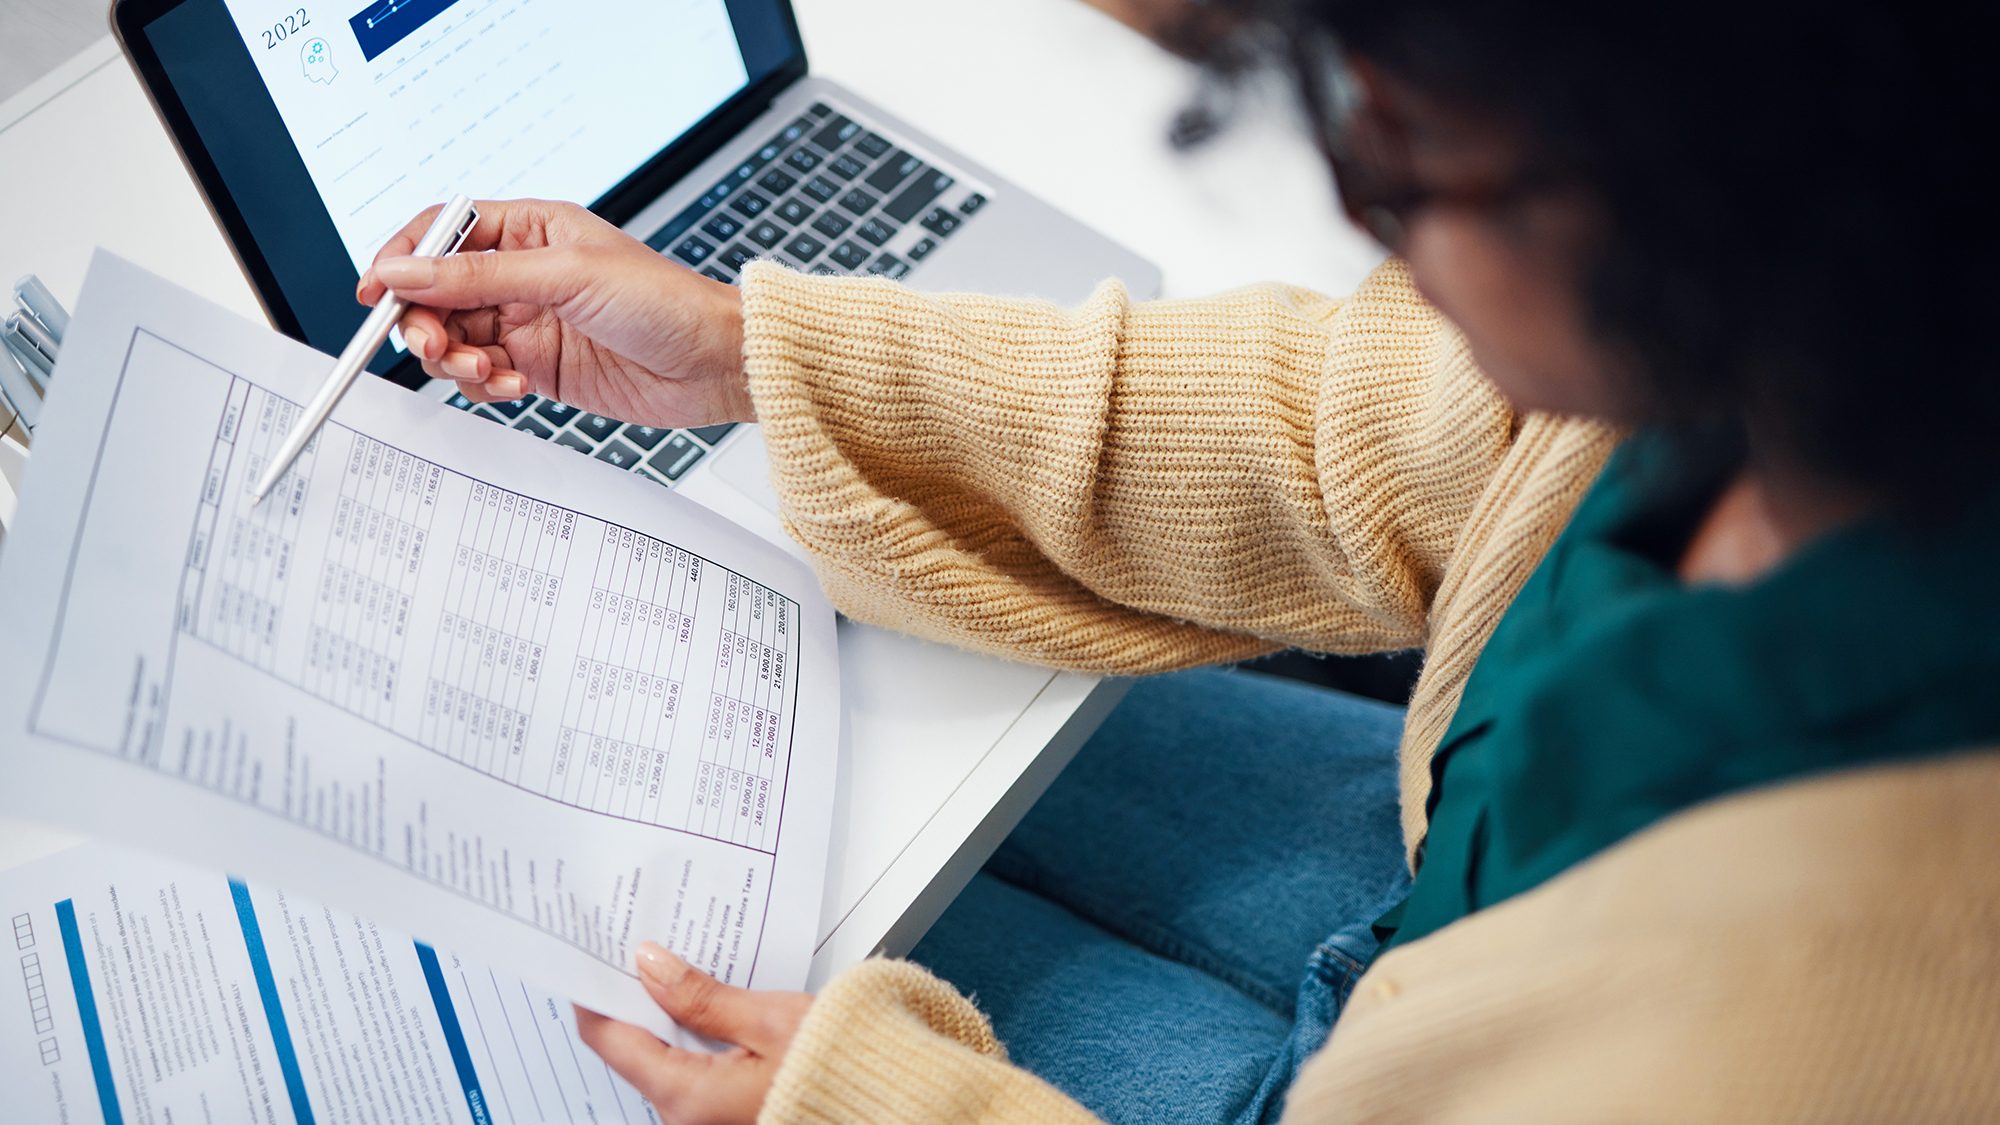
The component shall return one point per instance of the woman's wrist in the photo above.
(725, 368)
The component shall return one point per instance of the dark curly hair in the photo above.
(1798, 242)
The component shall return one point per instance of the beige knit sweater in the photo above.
(1129, 488)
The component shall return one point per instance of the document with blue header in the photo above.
(154, 991)
(514, 702)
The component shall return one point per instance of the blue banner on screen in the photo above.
(385, 23)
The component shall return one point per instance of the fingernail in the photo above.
(658, 962)
(419, 341)
(413, 273)
(508, 386)
(461, 366)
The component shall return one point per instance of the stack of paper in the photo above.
(508, 700)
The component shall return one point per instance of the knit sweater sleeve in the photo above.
(887, 1042)
(1123, 486)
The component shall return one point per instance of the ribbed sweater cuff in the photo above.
(887, 1042)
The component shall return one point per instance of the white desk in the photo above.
(1060, 98)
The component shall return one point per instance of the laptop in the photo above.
(696, 126)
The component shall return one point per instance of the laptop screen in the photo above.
(316, 130)
(401, 103)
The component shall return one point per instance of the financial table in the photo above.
(645, 686)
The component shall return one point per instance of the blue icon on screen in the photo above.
(317, 60)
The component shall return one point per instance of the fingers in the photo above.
(548, 276)
(429, 332)
(403, 243)
(424, 332)
(515, 224)
(708, 1007)
(484, 373)
(654, 1069)
(466, 365)
(478, 377)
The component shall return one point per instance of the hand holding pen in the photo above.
(446, 234)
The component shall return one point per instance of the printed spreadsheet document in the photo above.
(447, 676)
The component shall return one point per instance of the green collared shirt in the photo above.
(1613, 695)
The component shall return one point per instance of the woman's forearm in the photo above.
(1123, 486)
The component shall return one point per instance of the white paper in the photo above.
(154, 991)
(513, 701)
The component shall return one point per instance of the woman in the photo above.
(1679, 469)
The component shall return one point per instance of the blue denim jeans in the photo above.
(1174, 927)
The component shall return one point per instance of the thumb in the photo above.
(699, 1002)
(546, 276)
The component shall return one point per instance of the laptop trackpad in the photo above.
(744, 466)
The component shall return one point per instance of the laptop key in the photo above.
(894, 171)
(509, 409)
(533, 425)
(850, 255)
(750, 204)
(676, 457)
(712, 434)
(722, 228)
(922, 249)
(570, 439)
(597, 427)
(794, 211)
(876, 231)
(791, 133)
(846, 167)
(971, 203)
(857, 201)
(821, 188)
(736, 257)
(819, 109)
(712, 272)
(776, 182)
(766, 234)
(645, 437)
(459, 402)
(873, 145)
(889, 266)
(804, 159)
(693, 251)
(824, 270)
(805, 247)
(556, 412)
(482, 412)
(837, 131)
(689, 216)
(832, 224)
(941, 222)
(615, 452)
(925, 188)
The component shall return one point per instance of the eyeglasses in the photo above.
(1368, 150)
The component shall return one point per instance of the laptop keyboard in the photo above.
(828, 195)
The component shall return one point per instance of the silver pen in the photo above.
(446, 234)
